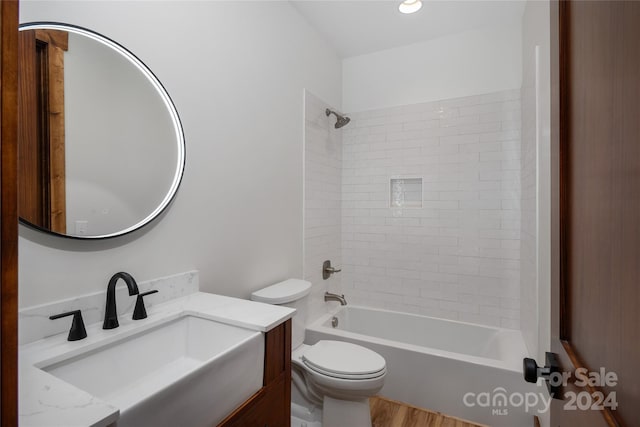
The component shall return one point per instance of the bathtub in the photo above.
(469, 371)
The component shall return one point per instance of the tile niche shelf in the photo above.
(405, 192)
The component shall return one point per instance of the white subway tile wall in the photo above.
(322, 211)
(458, 256)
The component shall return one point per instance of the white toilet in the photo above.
(337, 376)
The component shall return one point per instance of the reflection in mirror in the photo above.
(101, 148)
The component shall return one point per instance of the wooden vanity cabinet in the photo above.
(271, 405)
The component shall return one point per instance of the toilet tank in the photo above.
(290, 293)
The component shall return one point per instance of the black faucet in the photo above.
(110, 313)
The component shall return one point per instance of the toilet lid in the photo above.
(344, 359)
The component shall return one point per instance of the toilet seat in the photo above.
(344, 360)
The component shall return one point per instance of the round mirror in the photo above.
(101, 147)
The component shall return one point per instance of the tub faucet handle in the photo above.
(328, 270)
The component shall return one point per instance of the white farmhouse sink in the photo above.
(187, 372)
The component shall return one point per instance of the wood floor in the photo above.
(389, 413)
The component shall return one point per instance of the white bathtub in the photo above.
(456, 368)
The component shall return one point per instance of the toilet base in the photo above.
(302, 417)
(332, 412)
(340, 413)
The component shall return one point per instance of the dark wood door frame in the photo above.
(9, 212)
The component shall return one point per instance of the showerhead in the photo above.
(340, 119)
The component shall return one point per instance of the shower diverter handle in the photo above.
(328, 270)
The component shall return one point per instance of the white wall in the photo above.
(536, 191)
(322, 199)
(456, 254)
(470, 63)
(236, 72)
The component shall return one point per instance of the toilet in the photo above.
(337, 376)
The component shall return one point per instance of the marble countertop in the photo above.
(45, 400)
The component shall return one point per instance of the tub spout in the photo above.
(335, 297)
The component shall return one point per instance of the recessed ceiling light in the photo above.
(410, 6)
